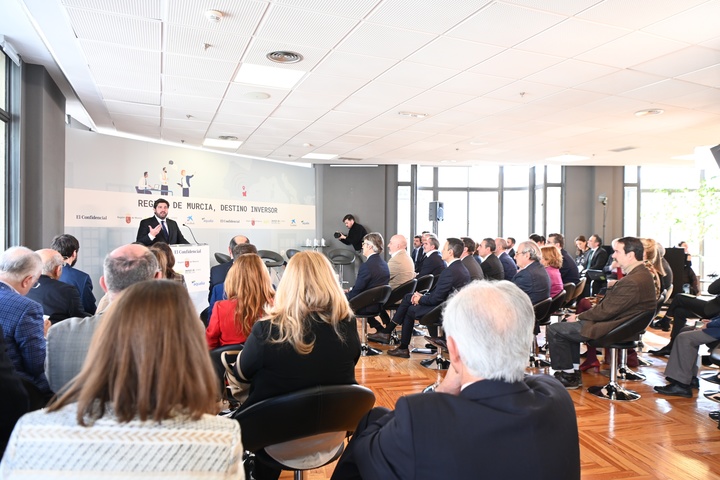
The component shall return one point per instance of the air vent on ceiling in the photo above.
(284, 57)
(350, 159)
(622, 149)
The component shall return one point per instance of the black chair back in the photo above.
(271, 259)
(399, 292)
(541, 309)
(308, 412)
(424, 283)
(376, 296)
(222, 258)
(569, 288)
(628, 331)
(341, 256)
(290, 252)
(555, 303)
(661, 300)
(433, 317)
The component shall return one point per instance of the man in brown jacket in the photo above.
(630, 296)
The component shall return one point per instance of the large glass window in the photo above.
(403, 212)
(516, 213)
(4, 129)
(423, 222)
(483, 215)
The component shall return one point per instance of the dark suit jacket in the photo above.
(14, 399)
(420, 254)
(433, 263)
(492, 268)
(534, 281)
(473, 435)
(372, 273)
(84, 285)
(58, 299)
(569, 271)
(473, 268)
(509, 267)
(454, 277)
(218, 273)
(174, 237)
(599, 259)
(511, 253)
(355, 236)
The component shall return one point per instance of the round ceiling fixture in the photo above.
(257, 95)
(213, 16)
(649, 111)
(282, 56)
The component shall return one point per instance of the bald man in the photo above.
(402, 268)
(68, 341)
(219, 272)
(59, 300)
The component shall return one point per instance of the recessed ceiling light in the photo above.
(567, 158)
(257, 95)
(226, 141)
(282, 56)
(413, 114)
(649, 111)
(477, 143)
(268, 76)
(319, 156)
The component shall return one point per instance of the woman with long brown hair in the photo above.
(144, 403)
(249, 291)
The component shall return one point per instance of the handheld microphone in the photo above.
(191, 232)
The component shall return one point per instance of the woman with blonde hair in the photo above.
(552, 261)
(308, 338)
(143, 405)
(249, 291)
(653, 262)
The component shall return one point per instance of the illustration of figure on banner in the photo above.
(143, 187)
(164, 181)
(184, 182)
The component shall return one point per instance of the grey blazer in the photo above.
(67, 347)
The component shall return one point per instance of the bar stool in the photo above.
(340, 258)
(363, 305)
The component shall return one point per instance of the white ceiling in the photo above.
(511, 81)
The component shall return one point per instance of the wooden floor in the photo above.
(655, 437)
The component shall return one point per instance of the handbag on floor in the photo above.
(238, 389)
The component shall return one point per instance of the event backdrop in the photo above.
(216, 196)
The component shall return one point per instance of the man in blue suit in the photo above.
(569, 271)
(471, 426)
(509, 267)
(418, 255)
(68, 246)
(531, 277)
(415, 305)
(21, 320)
(433, 262)
(374, 272)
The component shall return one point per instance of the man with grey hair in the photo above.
(374, 272)
(21, 320)
(68, 341)
(59, 300)
(433, 262)
(481, 411)
(532, 278)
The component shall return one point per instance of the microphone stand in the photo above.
(193, 235)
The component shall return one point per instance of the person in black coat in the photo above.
(159, 228)
(356, 233)
(59, 300)
(415, 305)
(374, 271)
(597, 258)
(433, 262)
(568, 271)
(509, 266)
(470, 426)
(14, 401)
(531, 277)
(491, 266)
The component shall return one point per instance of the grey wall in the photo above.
(42, 158)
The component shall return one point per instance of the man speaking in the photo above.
(159, 228)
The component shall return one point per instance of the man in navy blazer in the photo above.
(58, 299)
(485, 420)
(568, 271)
(491, 266)
(531, 277)
(418, 255)
(433, 262)
(374, 272)
(159, 228)
(415, 305)
(509, 267)
(68, 246)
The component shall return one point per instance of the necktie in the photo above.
(589, 260)
(165, 230)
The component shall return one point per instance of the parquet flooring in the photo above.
(656, 437)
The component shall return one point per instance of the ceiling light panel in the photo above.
(631, 50)
(191, 41)
(128, 95)
(344, 64)
(318, 30)
(490, 25)
(435, 17)
(454, 53)
(585, 36)
(240, 18)
(636, 14)
(193, 86)
(379, 40)
(194, 67)
(119, 29)
(146, 8)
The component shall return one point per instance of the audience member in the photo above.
(69, 340)
(433, 262)
(531, 276)
(218, 291)
(653, 262)
(581, 252)
(472, 425)
(219, 272)
(170, 272)
(491, 266)
(630, 296)
(597, 258)
(68, 246)
(511, 247)
(143, 404)
(418, 254)
(552, 261)
(22, 322)
(402, 268)
(374, 271)
(14, 400)
(59, 300)
(161, 259)
(568, 270)
(415, 305)
(509, 266)
(667, 279)
(469, 261)
(538, 239)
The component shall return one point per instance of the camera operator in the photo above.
(356, 233)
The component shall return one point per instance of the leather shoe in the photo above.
(383, 338)
(663, 352)
(715, 415)
(674, 390)
(695, 383)
(399, 352)
(661, 324)
(435, 341)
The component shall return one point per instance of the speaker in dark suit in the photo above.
(159, 228)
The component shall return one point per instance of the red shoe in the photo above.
(590, 363)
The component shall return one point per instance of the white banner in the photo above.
(193, 262)
(96, 208)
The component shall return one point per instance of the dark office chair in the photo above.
(303, 430)
(434, 319)
(424, 283)
(272, 260)
(393, 303)
(340, 258)
(290, 252)
(366, 305)
(541, 310)
(222, 258)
